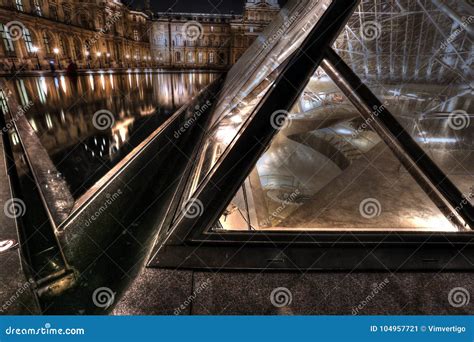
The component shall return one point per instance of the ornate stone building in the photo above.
(36, 34)
(94, 33)
(208, 40)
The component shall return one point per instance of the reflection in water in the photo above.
(64, 108)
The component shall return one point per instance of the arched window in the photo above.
(36, 7)
(190, 57)
(77, 48)
(222, 58)
(7, 40)
(178, 56)
(63, 46)
(179, 40)
(19, 5)
(28, 41)
(46, 43)
(83, 20)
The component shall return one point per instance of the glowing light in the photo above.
(237, 119)
(429, 140)
(49, 122)
(91, 81)
(63, 84)
(33, 125)
(225, 134)
(102, 81)
(15, 139)
(56, 51)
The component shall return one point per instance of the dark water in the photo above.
(89, 124)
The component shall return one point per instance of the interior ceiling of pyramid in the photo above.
(419, 40)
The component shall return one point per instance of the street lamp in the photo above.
(99, 54)
(35, 50)
(56, 52)
(88, 57)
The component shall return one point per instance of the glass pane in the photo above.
(251, 78)
(327, 170)
(417, 57)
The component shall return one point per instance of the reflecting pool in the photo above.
(90, 123)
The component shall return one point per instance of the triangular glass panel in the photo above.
(328, 170)
(419, 60)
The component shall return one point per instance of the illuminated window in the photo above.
(3, 102)
(190, 57)
(28, 40)
(136, 36)
(19, 5)
(211, 57)
(7, 41)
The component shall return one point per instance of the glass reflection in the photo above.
(328, 170)
(63, 111)
(252, 76)
(422, 70)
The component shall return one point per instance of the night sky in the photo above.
(203, 6)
